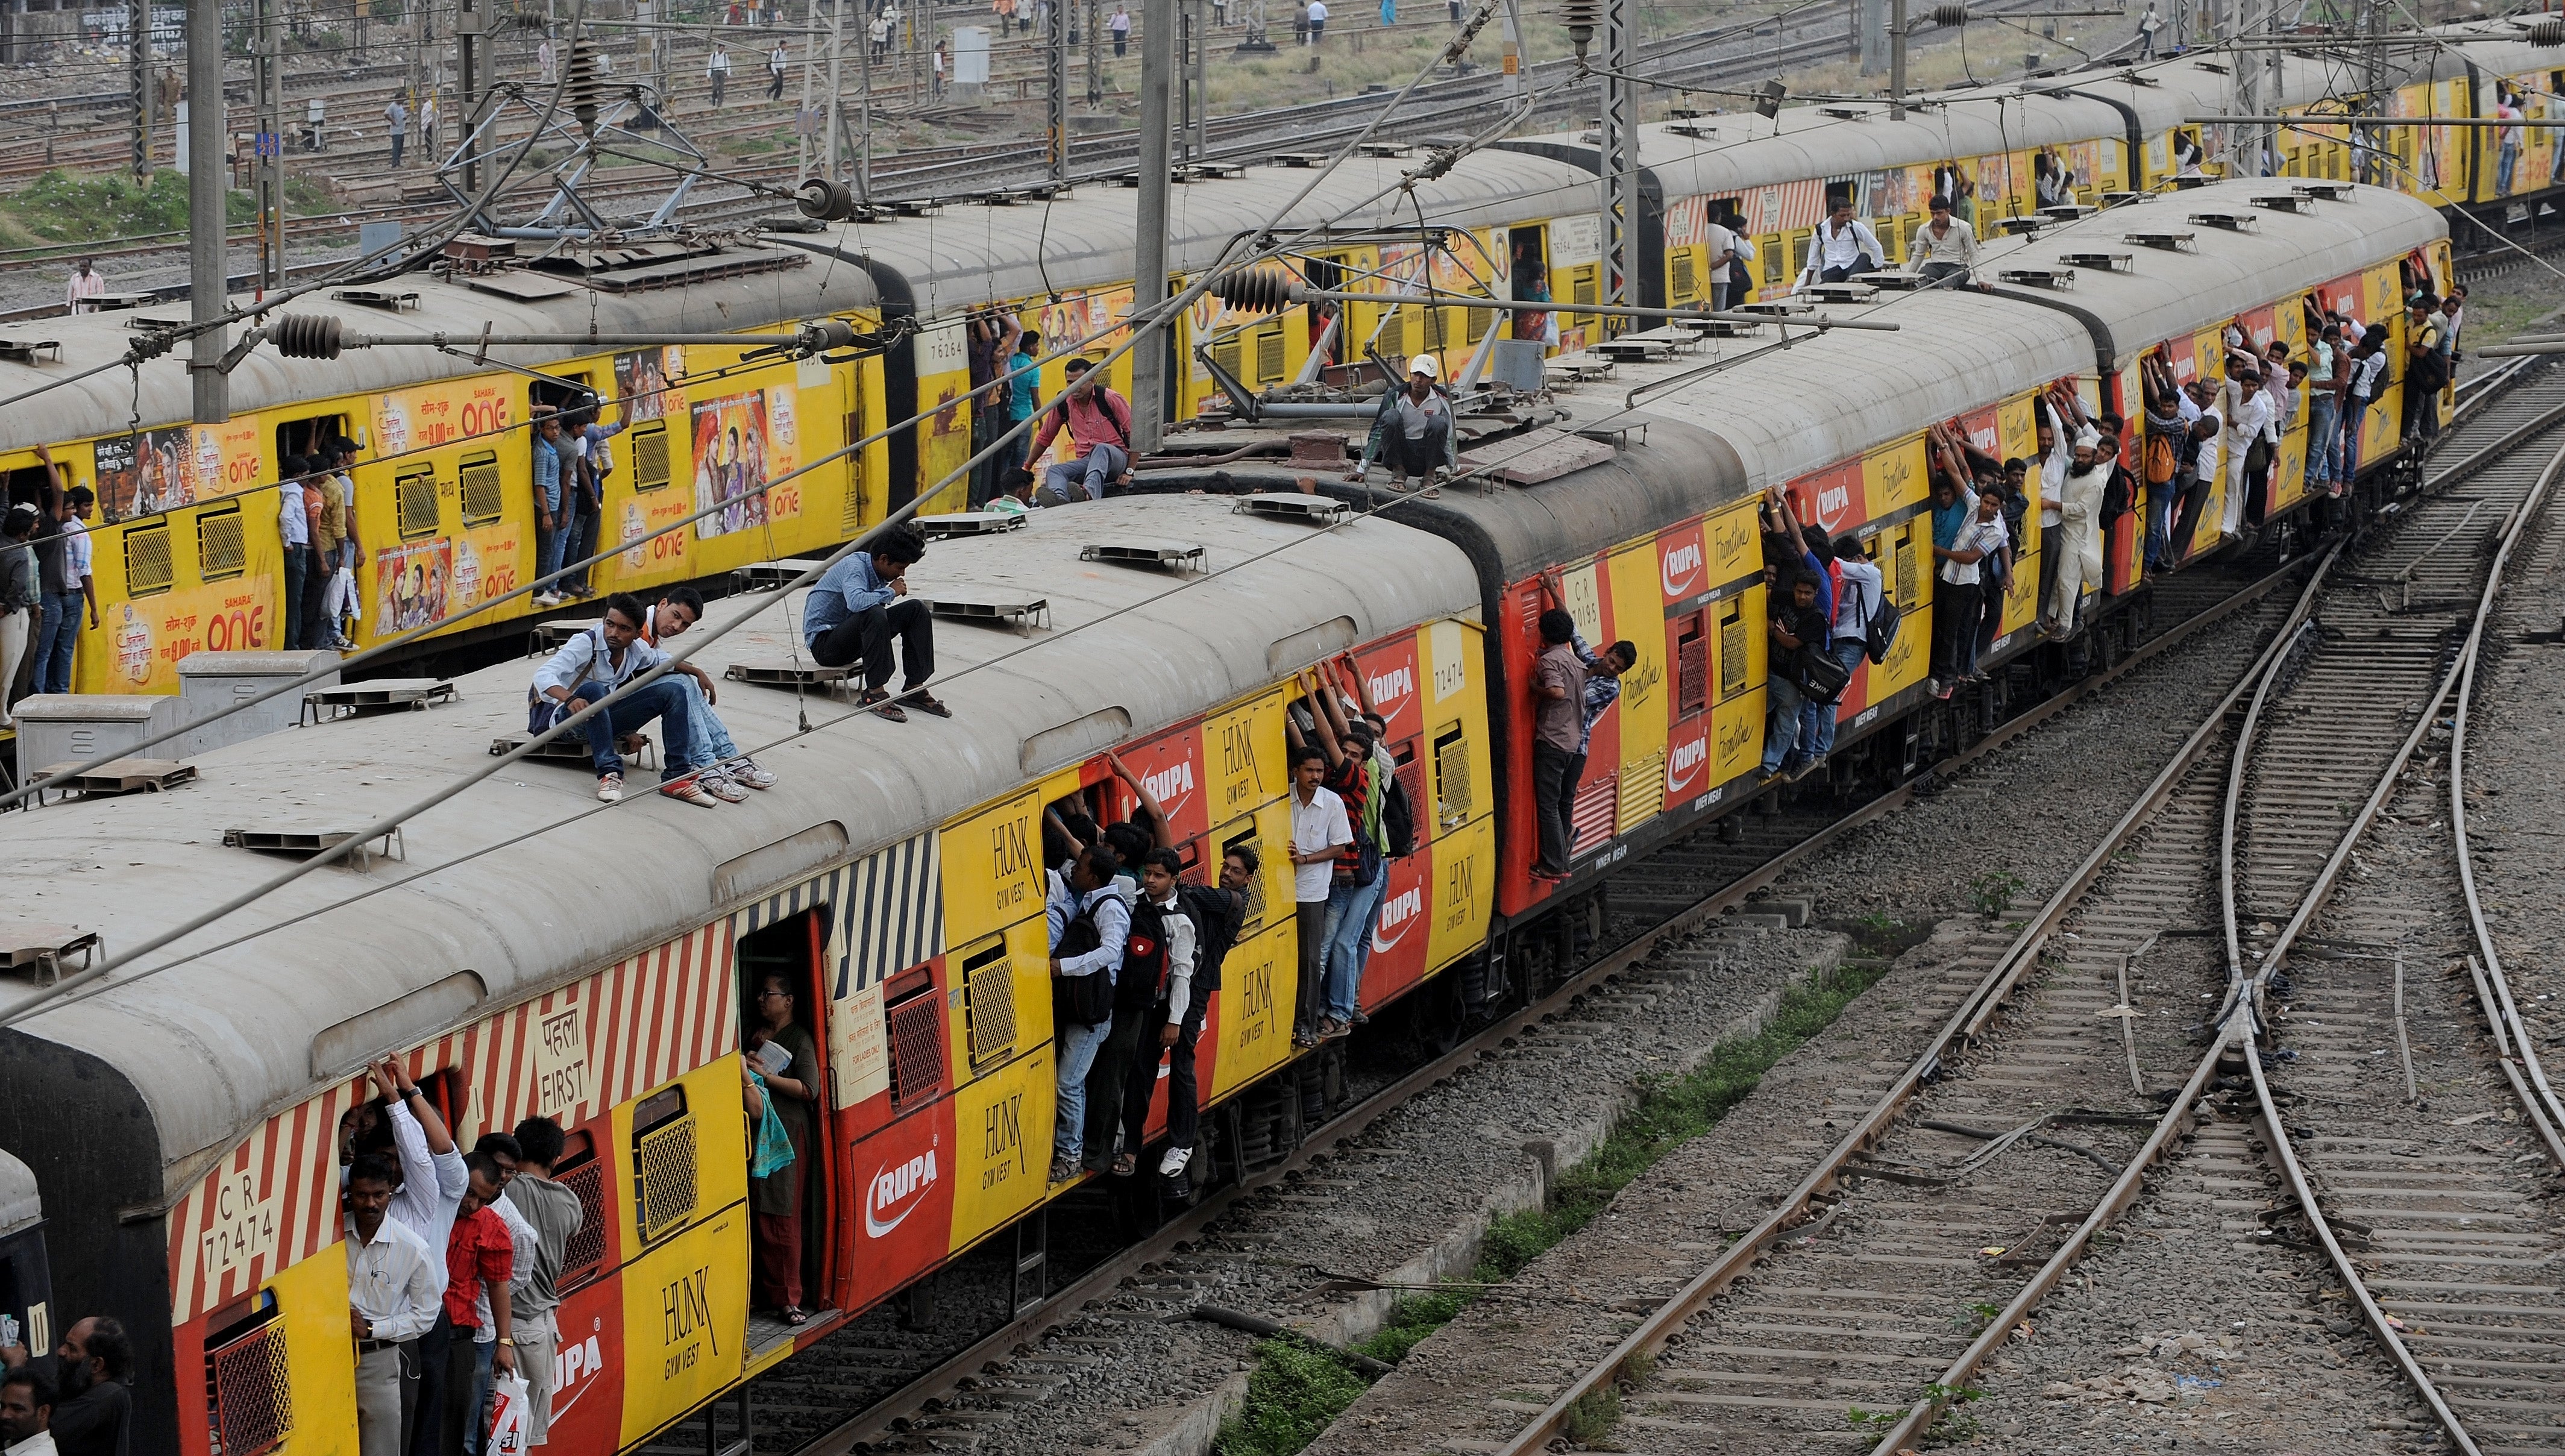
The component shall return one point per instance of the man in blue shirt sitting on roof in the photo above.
(859, 605)
(600, 660)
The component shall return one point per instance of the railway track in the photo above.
(2141, 1014)
(913, 1394)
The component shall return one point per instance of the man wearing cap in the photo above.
(1413, 431)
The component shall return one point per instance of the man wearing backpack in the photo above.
(1158, 1000)
(1091, 924)
(1858, 596)
(1099, 418)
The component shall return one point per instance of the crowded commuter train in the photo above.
(187, 532)
(599, 982)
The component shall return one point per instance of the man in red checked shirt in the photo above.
(479, 1260)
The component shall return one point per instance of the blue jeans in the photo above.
(2505, 160)
(549, 545)
(1780, 720)
(480, 1403)
(289, 631)
(1818, 720)
(61, 632)
(1350, 909)
(706, 740)
(1077, 1048)
(1066, 482)
(661, 700)
(2325, 438)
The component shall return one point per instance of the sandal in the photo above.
(793, 1315)
(1126, 1164)
(925, 702)
(879, 701)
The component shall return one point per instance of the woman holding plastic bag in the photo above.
(783, 1064)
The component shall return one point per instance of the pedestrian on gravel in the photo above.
(427, 126)
(1318, 17)
(717, 70)
(396, 127)
(1120, 25)
(88, 284)
(777, 61)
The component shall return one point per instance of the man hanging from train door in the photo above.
(1558, 726)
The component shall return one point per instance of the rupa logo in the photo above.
(1831, 499)
(1680, 568)
(1686, 762)
(1172, 785)
(896, 1193)
(1391, 691)
(1393, 921)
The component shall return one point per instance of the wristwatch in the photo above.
(510, 1343)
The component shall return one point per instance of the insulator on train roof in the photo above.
(304, 336)
(582, 89)
(823, 335)
(1580, 17)
(1256, 290)
(825, 199)
(1950, 15)
(2547, 33)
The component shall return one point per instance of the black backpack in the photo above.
(1216, 914)
(1080, 1000)
(1398, 820)
(1879, 633)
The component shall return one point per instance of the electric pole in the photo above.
(802, 118)
(1620, 157)
(206, 231)
(468, 16)
(268, 149)
(1874, 35)
(1897, 60)
(1149, 284)
(1056, 86)
(137, 51)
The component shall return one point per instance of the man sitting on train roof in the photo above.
(1099, 418)
(1412, 429)
(859, 605)
(1842, 247)
(1942, 250)
(600, 660)
(92, 1410)
(723, 770)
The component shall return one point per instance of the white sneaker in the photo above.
(690, 789)
(609, 787)
(719, 784)
(1174, 1162)
(744, 772)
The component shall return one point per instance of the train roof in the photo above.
(540, 884)
(967, 255)
(723, 284)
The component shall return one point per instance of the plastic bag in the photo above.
(774, 1150)
(511, 1412)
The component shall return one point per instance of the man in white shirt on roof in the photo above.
(395, 1287)
(1842, 247)
(602, 660)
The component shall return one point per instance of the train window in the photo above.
(1731, 650)
(664, 1183)
(1438, 329)
(1480, 320)
(1392, 338)
(1770, 248)
(1905, 585)
(570, 391)
(1451, 778)
(1230, 356)
(1692, 668)
(223, 552)
(1268, 356)
(479, 478)
(989, 1005)
(305, 436)
(583, 1173)
(249, 1382)
(651, 457)
(1254, 919)
(1411, 773)
(916, 1045)
(414, 503)
(1585, 285)
(147, 567)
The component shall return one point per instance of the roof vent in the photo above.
(993, 606)
(781, 674)
(1386, 148)
(2068, 211)
(1298, 159)
(2186, 184)
(376, 695)
(2235, 222)
(759, 576)
(2100, 262)
(1156, 553)
(2051, 278)
(2123, 200)
(1315, 510)
(1846, 292)
(2211, 67)
(40, 949)
(1896, 280)
(917, 207)
(2167, 242)
(479, 248)
(129, 776)
(1844, 113)
(302, 844)
(2023, 226)
(23, 350)
(970, 523)
(2286, 202)
(1693, 131)
(378, 297)
(2324, 192)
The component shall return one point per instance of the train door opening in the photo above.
(1528, 268)
(784, 1027)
